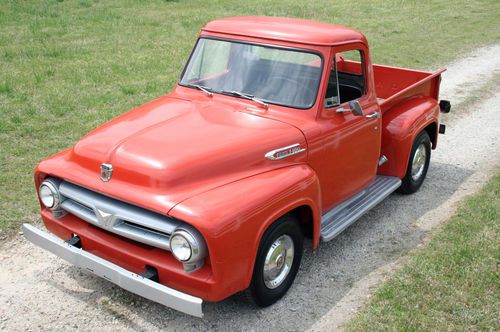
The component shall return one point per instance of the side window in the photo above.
(347, 78)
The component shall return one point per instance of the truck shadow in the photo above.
(326, 275)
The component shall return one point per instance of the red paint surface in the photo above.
(201, 159)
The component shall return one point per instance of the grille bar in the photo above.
(118, 217)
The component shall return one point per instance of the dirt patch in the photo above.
(469, 73)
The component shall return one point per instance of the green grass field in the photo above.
(450, 285)
(69, 66)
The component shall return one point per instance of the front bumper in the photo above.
(125, 279)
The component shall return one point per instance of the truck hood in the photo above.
(173, 149)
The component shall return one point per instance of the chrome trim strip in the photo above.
(127, 280)
(286, 151)
(118, 217)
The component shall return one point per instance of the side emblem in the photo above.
(284, 152)
(106, 172)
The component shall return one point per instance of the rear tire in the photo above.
(418, 164)
(278, 260)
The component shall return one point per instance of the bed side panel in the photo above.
(396, 85)
(391, 80)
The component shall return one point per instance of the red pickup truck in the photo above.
(278, 129)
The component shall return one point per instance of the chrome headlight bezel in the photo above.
(52, 188)
(196, 244)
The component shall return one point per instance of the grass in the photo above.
(69, 66)
(450, 285)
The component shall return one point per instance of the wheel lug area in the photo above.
(280, 261)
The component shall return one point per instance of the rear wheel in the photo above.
(418, 164)
(278, 261)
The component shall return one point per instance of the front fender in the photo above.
(400, 126)
(234, 217)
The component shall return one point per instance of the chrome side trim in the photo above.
(127, 280)
(342, 216)
(118, 217)
(284, 152)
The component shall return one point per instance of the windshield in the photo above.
(269, 74)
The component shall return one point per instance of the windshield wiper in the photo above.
(246, 96)
(205, 89)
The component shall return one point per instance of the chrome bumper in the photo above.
(125, 279)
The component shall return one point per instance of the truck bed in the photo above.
(394, 85)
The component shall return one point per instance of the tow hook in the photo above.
(75, 241)
(150, 273)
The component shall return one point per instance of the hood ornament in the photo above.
(284, 152)
(106, 172)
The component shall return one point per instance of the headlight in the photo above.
(180, 247)
(49, 195)
(188, 247)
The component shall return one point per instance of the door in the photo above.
(351, 142)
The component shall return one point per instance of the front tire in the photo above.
(418, 164)
(278, 260)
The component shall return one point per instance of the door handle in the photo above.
(343, 110)
(374, 115)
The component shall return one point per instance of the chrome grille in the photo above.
(118, 217)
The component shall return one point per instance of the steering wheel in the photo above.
(282, 80)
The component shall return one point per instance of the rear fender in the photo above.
(234, 217)
(400, 126)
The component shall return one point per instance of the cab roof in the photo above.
(285, 29)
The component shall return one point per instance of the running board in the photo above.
(340, 217)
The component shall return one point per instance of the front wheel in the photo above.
(277, 262)
(418, 164)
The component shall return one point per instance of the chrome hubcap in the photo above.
(279, 260)
(418, 165)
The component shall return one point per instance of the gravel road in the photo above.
(42, 292)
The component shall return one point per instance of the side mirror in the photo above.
(356, 108)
